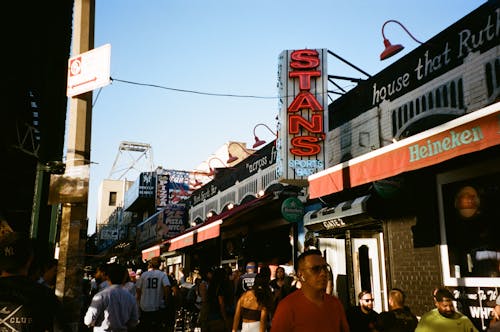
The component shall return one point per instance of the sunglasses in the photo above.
(318, 268)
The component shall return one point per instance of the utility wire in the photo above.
(191, 91)
(209, 93)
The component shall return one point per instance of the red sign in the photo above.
(304, 64)
(469, 133)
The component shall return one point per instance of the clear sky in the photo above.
(229, 47)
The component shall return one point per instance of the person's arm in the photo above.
(134, 316)
(222, 309)
(263, 319)
(138, 291)
(237, 316)
(93, 312)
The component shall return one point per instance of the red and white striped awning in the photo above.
(469, 133)
(203, 233)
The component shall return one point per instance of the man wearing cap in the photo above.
(153, 295)
(247, 279)
(25, 305)
(495, 321)
(444, 317)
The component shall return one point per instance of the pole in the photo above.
(74, 215)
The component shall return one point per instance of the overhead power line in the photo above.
(191, 91)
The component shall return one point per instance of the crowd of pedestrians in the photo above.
(212, 300)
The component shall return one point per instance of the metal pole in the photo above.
(74, 215)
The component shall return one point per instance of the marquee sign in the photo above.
(302, 82)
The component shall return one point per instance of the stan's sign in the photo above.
(302, 81)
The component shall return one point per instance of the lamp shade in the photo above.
(390, 49)
(258, 142)
(231, 159)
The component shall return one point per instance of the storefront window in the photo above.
(470, 205)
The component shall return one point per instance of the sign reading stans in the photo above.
(302, 82)
(89, 70)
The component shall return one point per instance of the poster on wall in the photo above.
(171, 221)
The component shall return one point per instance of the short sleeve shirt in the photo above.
(151, 283)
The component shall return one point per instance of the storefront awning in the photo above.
(198, 235)
(469, 133)
(337, 216)
(151, 252)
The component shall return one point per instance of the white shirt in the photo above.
(151, 283)
(112, 309)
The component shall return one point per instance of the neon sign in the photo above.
(304, 64)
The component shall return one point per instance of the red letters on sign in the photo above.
(304, 63)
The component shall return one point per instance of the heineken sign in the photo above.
(292, 209)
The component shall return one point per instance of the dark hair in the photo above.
(306, 253)
(261, 290)
(116, 273)
(363, 293)
(442, 293)
(155, 262)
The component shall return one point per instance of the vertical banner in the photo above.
(303, 114)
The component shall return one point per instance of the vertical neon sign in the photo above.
(303, 116)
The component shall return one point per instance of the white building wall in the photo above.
(374, 128)
(104, 210)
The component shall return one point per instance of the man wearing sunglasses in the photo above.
(310, 308)
(362, 318)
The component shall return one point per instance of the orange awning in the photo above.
(151, 252)
(469, 133)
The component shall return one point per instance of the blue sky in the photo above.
(228, 47)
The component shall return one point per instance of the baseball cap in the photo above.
(15, 251)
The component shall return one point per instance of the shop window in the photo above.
(470, 216)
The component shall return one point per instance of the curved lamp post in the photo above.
(390, 49)
(259, 142)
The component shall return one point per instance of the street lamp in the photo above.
(259, 142)
(390, 49)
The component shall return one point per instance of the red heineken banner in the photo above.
(472, 132)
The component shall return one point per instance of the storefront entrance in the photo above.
(369, 273)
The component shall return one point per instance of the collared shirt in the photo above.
(112, 309)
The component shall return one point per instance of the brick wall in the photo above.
(415, 270)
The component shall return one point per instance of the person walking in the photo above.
(25, 304)
(153, 295)
(114, 308)
(444, 317)
(399, 318)
(252, 308)
(215, 295)
(310, 308)
(362, 318)
(246, 280)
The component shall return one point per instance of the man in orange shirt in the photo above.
(310, 308)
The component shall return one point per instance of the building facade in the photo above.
(412, 174)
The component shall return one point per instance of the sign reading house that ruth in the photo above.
(302, 82)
